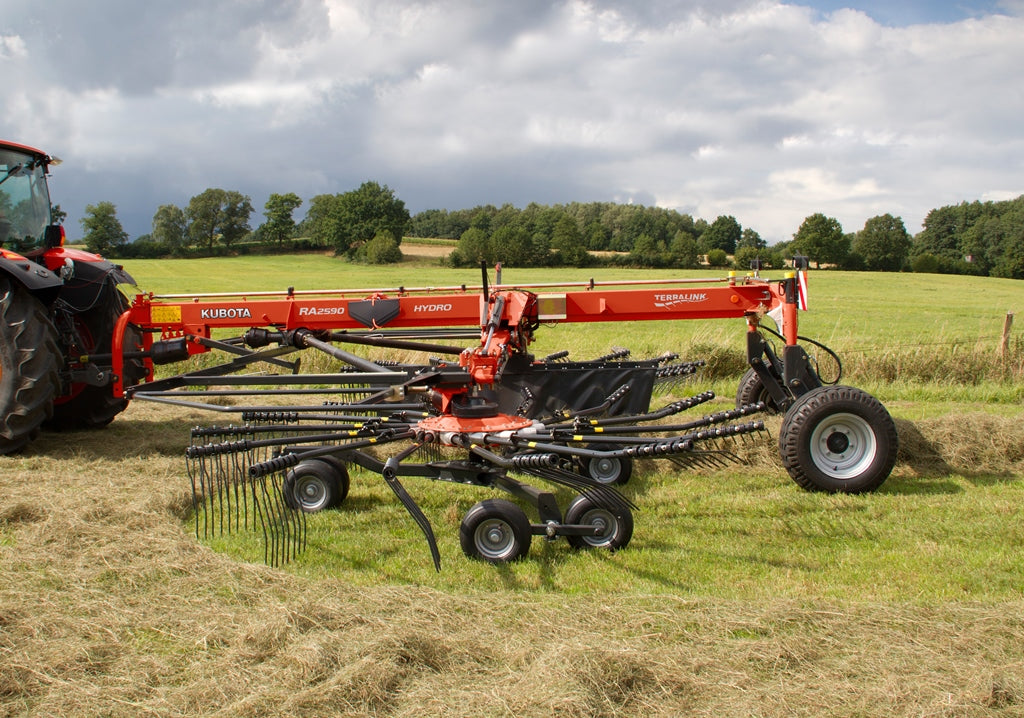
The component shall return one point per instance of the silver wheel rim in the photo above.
(607, 522)
(310, 493)
(604, 470)
(843, 446)
(495, 539)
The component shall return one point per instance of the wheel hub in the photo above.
(843, 445)
(494, 538)
(837, 442)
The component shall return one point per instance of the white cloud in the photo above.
(763, 110)
(12, 46)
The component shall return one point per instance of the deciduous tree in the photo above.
(364, 212)
(278, 210)
(567, 240)
(102, 228)
(884, 243)
(170, 227)
(750, 238)
(821, 238)
(474, 247)
(217, 213)
(724, 233)
(203, 214)
(234, 217)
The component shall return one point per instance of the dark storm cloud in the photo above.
(138, 46)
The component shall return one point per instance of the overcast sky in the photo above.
(767, 111)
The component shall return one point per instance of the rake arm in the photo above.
(390, 474)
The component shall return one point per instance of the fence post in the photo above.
(1004, 343)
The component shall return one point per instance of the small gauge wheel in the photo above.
(615, 524)
(608, 470)
(496, 531)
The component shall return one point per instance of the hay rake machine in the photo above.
(490, 415)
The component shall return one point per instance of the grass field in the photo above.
(739, 595)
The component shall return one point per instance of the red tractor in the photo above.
(58, 307)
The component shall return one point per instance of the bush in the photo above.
(140, 249)
(718, 258)
(925, 264)
(854, 263)
(382, 249)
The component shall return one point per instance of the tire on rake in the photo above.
(838, 439)
(608, 470)
(616, 524)
(496, 531)
(752, 390)
(316, 484)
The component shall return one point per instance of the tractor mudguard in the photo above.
(39, 280)
(90, 274)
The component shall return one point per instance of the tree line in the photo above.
(368, 223)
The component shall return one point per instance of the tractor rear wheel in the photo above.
(88, 406)
(838, 439)
(29, 366)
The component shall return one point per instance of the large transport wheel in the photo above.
(86, 406)
(752, 390)
(616, 524)
(838, 439)
(316, 484)
(29, 366)
(608, 470)
(496, 531)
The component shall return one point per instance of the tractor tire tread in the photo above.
(30, 371)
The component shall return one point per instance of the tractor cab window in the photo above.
(24, 201)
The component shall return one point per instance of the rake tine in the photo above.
(196, 490)
(599, 492)
(544, 466)
(257, 487)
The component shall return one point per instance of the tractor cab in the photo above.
(25, 219)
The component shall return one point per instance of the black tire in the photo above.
(838, 439)
(606, 470)
(616, 523)
(86, 406)
(340, 468)
(752, 390)
(496, 531)
(29, 366)
(316, 484)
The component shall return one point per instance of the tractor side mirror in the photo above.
(800, 262)
(54, 236)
